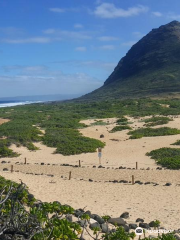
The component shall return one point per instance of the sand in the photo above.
(145, 201)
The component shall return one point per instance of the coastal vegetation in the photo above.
(120, 128)
(166, 157)
(154, 121)
(61, 122)
(153, 132)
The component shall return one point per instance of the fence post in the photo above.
(11, 168)
(136, 165)
(25, 161)
(69, 175)
(79, 163)
(132, 179)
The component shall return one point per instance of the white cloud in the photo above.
(107, 47)
(80, 35)
(26, 82)
(107, 38)
(101, 65)
(28, 40)
(108, 10)
(157, 14)
(62, 10)
(81, 49)
(58, 10)
(129, 43)
(78, 26)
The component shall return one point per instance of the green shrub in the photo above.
(153, 132)
(176, 143)
(154, 121)
(166, 157)
(5, 151)
(120, 128)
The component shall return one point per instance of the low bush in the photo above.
(120, 128)
(153, 132)
(166, 157)
(5, 151)
(154, 121)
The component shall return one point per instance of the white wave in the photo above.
(3, 105)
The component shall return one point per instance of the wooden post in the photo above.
(69, 175)
(25, 161)
(132, 179)
(11, 168)
(136, 165)
(79, 163)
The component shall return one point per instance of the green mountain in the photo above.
(150, 68)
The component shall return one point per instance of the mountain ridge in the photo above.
(151, 67)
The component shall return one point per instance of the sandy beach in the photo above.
(48, 180)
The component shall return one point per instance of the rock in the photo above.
(88, 213)
(69, 217)
(90, 180)
(83, 223)
(98, 219)
(105, 228)
(152, 223)
(95, 225)
(101, 136)
(133, 226)
(3, 162)
(78, 213)
(177, 236)
(139, 220)
(30, 197)
(42, 163)
(126, 228)
(5, 169)
(125, 215)
(168, 184)
(144, 225)
(118, 221)
(100, 166)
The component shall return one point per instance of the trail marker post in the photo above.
(132, 179)
(69, 175)
(79, 163)
(11, 168)
(99, 154)
(136, 165)
(25, 161)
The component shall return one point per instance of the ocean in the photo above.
(12, 104)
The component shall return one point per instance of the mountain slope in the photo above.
(151, 67)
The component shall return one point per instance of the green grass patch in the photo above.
(120, 128)
(166, 157)
(153, 132)
(154, 121)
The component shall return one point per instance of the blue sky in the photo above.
(71, 46)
